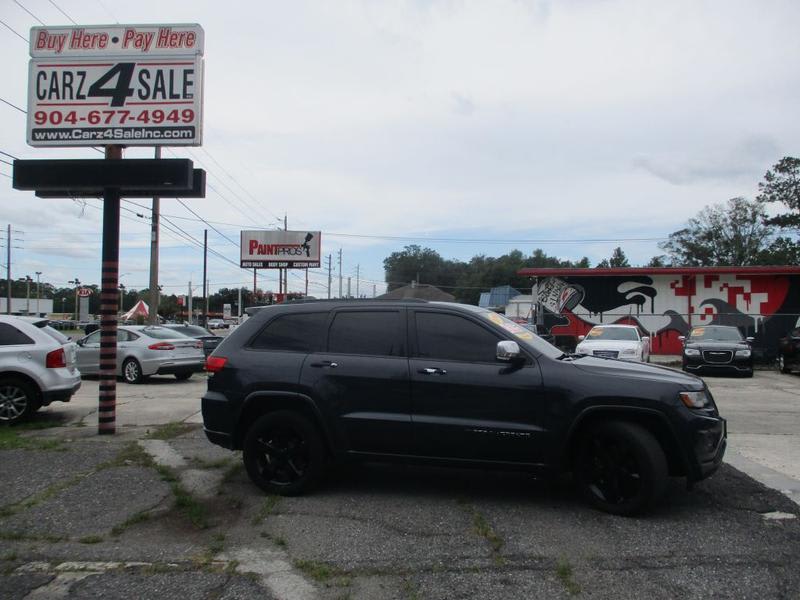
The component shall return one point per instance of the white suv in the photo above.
(37, 367)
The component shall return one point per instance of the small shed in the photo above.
(420, 292)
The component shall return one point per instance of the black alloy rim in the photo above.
(612, 472)
(283, 456)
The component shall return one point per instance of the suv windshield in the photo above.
(717, 334)
(612, 333)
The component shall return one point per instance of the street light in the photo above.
(28, 294)
(37, 292)
(121, 299)
(77, 283)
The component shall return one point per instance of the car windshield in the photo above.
(161, 333)
(716, 334)
(56, 335)
(612, 333)
(192, 330)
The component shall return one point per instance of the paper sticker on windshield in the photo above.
(495, 318)
(698, 331)
(595, 332)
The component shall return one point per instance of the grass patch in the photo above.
(10, 438)
(233, 471)
(323, 573)
(169, 431)
(210, 464)
(91, 539)
(139, 517)
(267, 508)
(217, 544)
(564, 574)
(411, 592)
(481, 526)
(131, 454)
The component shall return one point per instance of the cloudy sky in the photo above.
(467, 127)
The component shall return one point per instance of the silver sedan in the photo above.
(143, 351)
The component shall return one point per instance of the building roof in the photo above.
(567, 272)
(497, 296)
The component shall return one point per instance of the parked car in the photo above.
(143, 351)
(210, 341)
(789, 351)
(449, 384)
(625, 342)
(37, 367)
(217, 324)
(717, 349)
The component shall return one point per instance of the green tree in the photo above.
(782, 184)
(657, 261)
(422, 265)
(731, 234)
(618, 258)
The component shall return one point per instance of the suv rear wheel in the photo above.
(18, 400)
(620, 468)
(283, 453)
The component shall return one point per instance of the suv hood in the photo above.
(636, 371)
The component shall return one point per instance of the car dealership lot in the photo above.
(380, 531)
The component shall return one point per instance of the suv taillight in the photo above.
(161, 346)
(56, 359)
(214, 364)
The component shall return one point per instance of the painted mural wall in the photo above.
(666, 306)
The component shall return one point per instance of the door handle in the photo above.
(429, 371)
(325, 364)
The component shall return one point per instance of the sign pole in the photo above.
(107, 417)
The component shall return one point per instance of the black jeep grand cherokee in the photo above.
(450, 384)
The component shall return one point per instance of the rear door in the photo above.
(465, 403)
(360, 380)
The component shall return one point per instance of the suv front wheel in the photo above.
(620, 468)
(283, 453)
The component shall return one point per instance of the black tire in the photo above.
(283, 453)
(132, 371)
(18, 400)
(183, 375)
(620, 468)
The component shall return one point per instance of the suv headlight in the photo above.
(743, 353)
(691, 352)
(628, 351)
(695, 399)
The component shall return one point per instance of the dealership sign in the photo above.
(280, 249)
(130, 85)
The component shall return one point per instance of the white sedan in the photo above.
(625, 342)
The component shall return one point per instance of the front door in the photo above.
(465, 403)
(87, 354)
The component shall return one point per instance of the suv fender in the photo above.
(257, 404)
(654, 421)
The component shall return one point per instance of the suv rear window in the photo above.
(11, 336)
(299, 332)
(371, 333)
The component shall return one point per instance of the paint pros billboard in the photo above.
(281, 249)
(132, 85)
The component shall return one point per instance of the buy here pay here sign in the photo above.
(131, 85)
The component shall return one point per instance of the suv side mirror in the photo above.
(682, 338)
(79, 342)
(749, 339)
(645, 338)
(508, 351)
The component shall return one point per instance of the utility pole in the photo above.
(285, 271)
(37, 292)
(340, 272)
(28, 294)
(255, 286)
(153, 316)
(373, 290)
(8, 269)
(330, 264)
(348, 288)
(239, 311)
(204, 318)
(358, 277)
(77, 283)
(189, 314)
(121, 299)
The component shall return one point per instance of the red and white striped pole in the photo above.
(109, 299)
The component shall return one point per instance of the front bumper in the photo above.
(696, 364)
(710, 442)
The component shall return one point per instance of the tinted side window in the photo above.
(372, 333)
(296, 333)
(451, 337)
(11, 336)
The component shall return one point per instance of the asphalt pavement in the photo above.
(156, 511)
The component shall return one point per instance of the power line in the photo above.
(29, 12)
(58, 8)
(22, 110)
(15, 32)
(8, 155)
